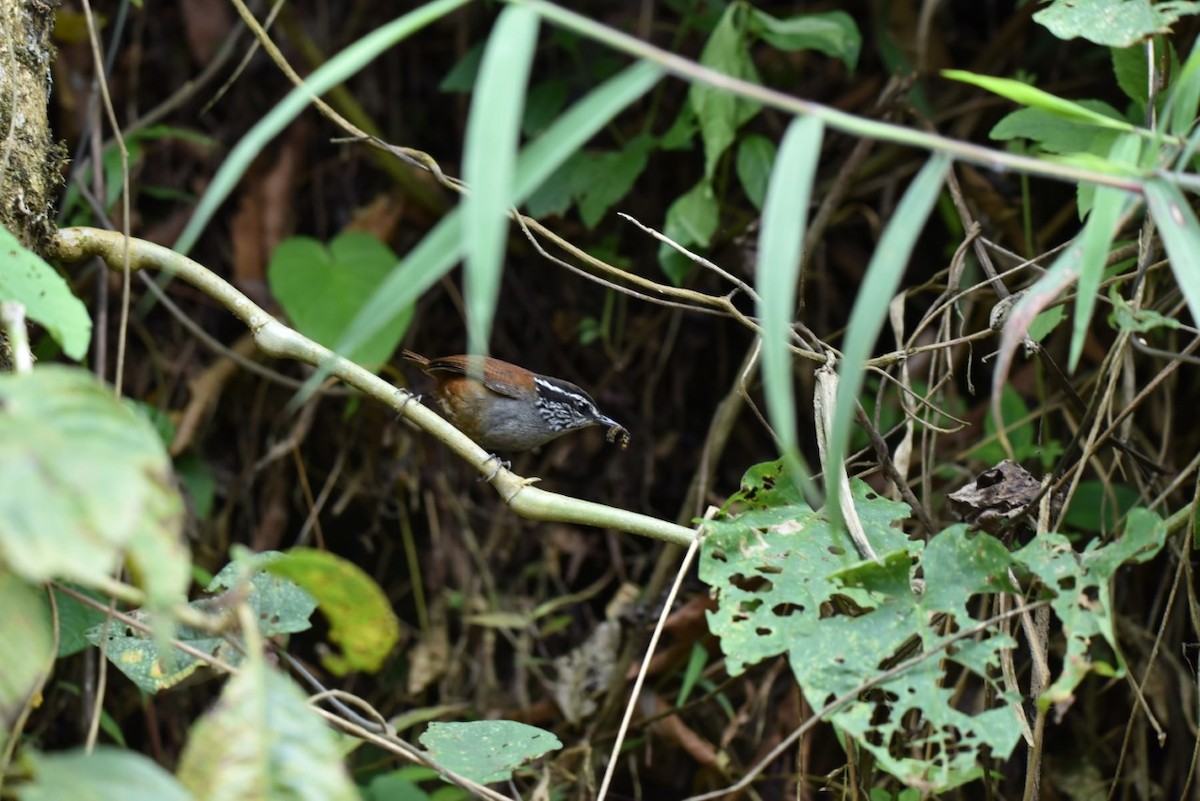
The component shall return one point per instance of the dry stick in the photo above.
(251, 51)
(823, 404)
(102, 84)
(526, 225)
(941, 374)
(1180, 477)
(645, 667)
(1037, 635)
(851, 695)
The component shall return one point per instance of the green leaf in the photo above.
(785, 218)
(683, 129)
(795, 550)
(692, 673)
(279, 606)
(1046, 322)
(543, 104)
(490, 152)
(1014, 413)
(84, 482)
(398, 785)
(1184, 95)
(1096, 508)
(27, 645)
(755, 157)
(1132, 72)
(555, 196)
(107, 772)
(833, 33)
(602, 179)
(322, 289)
(721, 113)
(691, 220)
(360, 616)
(488, 750)
(875, 294)
(761, 488)
(199, 482)
(47, 299)
(944, 744)
(541, 157)
(1181, 236)
(786, 581)
(1070, 577)
(1125, 318)
(1058, 134)
(1114, 24)
(461, 77)
(1033, 97)
(263, 740)
(75, 618)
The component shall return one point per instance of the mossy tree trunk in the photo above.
(30, 161)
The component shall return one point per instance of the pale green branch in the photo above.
(276, 339)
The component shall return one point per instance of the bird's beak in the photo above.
(607, 422)
(616, 432)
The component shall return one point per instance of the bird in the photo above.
(503, 407)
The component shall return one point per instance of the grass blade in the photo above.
(785, 218)
(1181, 236)
(1107, 209)
(489, 162)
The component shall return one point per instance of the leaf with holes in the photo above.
(487, 750)
(1080, 596)
(771, 566)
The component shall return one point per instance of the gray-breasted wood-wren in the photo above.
(504, 407)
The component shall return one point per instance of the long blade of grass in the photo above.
(1181, 236)
(887, 266)
(1180, 109)
(328, 75)
(489, 162)
(1107, 208)
(1033, 97)
(785, 218)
